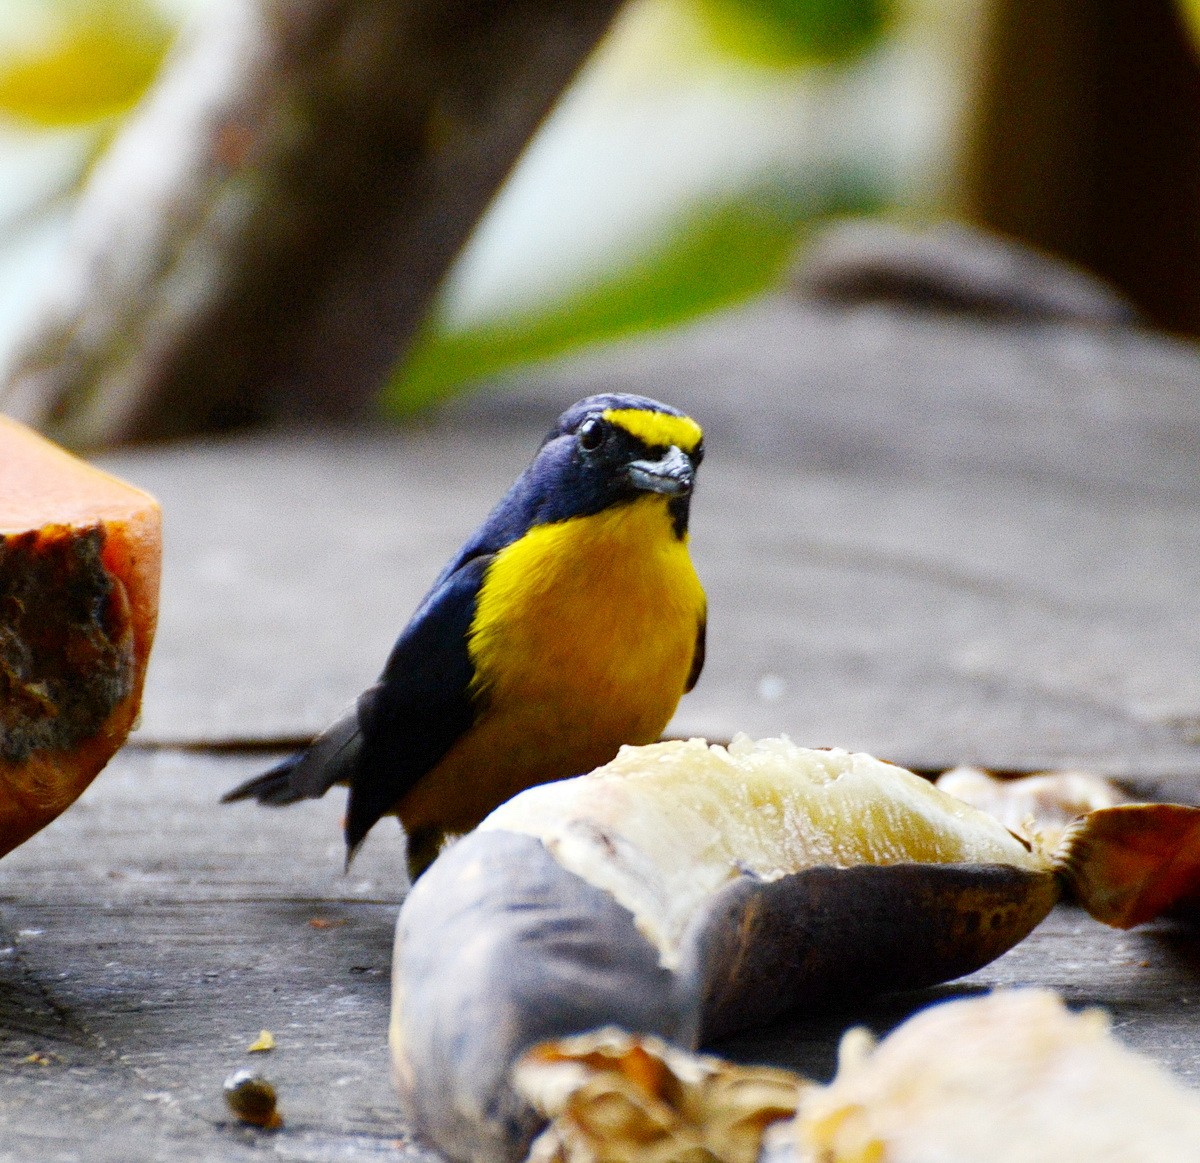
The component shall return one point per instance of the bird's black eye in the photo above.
(592, 433)
(698, 454)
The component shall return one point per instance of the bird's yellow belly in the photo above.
(583, 639)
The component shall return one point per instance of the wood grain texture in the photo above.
(924, 537)
(150, 936)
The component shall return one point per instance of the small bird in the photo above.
(572, 621)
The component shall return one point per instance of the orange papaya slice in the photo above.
(80, 556)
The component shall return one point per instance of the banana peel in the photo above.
(685, 891)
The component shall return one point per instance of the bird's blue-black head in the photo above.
(612, 449)
(605, 450)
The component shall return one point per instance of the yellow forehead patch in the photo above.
(657, 428)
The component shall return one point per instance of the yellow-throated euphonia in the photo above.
(571, 622)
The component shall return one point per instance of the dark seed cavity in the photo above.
(66, 646)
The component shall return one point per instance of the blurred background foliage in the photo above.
(675, 177)
(681, 171)
(678, 174)
(1191, 14)
(77, 62)
(69, 71)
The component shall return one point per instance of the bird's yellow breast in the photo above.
(606, 604)
(583, 639)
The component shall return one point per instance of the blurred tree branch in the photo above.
(266, 232)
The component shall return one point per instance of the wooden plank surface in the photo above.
(148, 935)
(933, 540)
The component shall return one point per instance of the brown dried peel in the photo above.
(616, 1098)
(1129, 864)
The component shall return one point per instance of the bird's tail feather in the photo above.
(331, 759)
(271, 787)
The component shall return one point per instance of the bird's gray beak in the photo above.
(673, 475)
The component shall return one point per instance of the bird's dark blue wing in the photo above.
(422, 703)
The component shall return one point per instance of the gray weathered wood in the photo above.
(936, 540)
(147, 937)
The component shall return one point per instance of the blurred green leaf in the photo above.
(721, 255)
(793, 32)
(1191, 18)
(72, 62)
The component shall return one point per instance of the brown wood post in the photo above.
(1087, 142)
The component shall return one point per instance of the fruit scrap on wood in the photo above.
(686, 891)
(1036, 807)
(253, 1099)
(80, 554)
(264, 1042)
